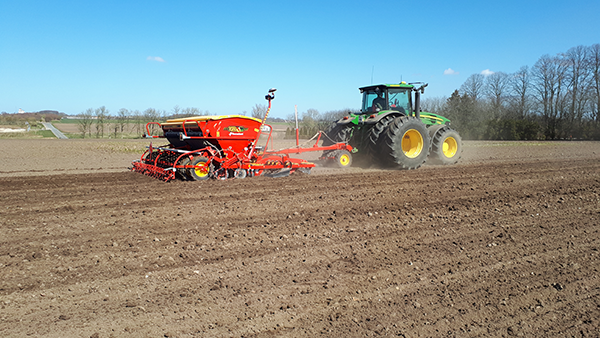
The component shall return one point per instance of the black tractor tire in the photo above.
(202, 170)
(405, 144)
(378, 129)
(446, 146)
(374, 136)
(337, 133)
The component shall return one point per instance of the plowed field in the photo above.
(506, 243)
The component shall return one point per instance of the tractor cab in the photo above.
(380, 98)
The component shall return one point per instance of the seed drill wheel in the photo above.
(405, 144)
(343, 159)
(184, 172)
(335, 133)
(447, 146)
(202, 169)
(240, 173)
(222, 174)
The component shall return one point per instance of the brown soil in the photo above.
(505, 243)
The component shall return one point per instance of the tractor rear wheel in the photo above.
(337, 133)
(375, 132)
(374, 138)
(202, 169)
(447, 146)
(405, 144)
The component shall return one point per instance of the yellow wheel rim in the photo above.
(201, 169)
(412, 143)
(344, 160)
(450, 147)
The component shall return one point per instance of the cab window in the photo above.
(399, 100)
(374, 101)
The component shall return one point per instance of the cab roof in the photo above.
(387, 85)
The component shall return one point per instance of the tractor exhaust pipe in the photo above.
(417, 111)
(418, 92)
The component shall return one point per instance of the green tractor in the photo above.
(390, 133)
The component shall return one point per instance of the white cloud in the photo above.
(450, 71)
(487, 72)
(155, 58)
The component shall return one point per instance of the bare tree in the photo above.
(310, 115)
(122, 116)
(192, 111)
(434, 104)
(101, 115)
(548, 75)
(473, 86)
(560, 94)
(496, 88)
(520, 87)
(151, 115)
(334, 115)
(259, 110)
(175, 112)
(84, 122)
(162, 115)
(136, 116)
(594, 64)
(578, 76)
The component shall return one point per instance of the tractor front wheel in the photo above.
(447, 146)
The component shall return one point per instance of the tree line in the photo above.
(21, 118)
(557, 98)
(99, 123)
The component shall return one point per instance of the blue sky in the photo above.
(224, 56)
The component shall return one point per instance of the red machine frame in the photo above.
(198, 150)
